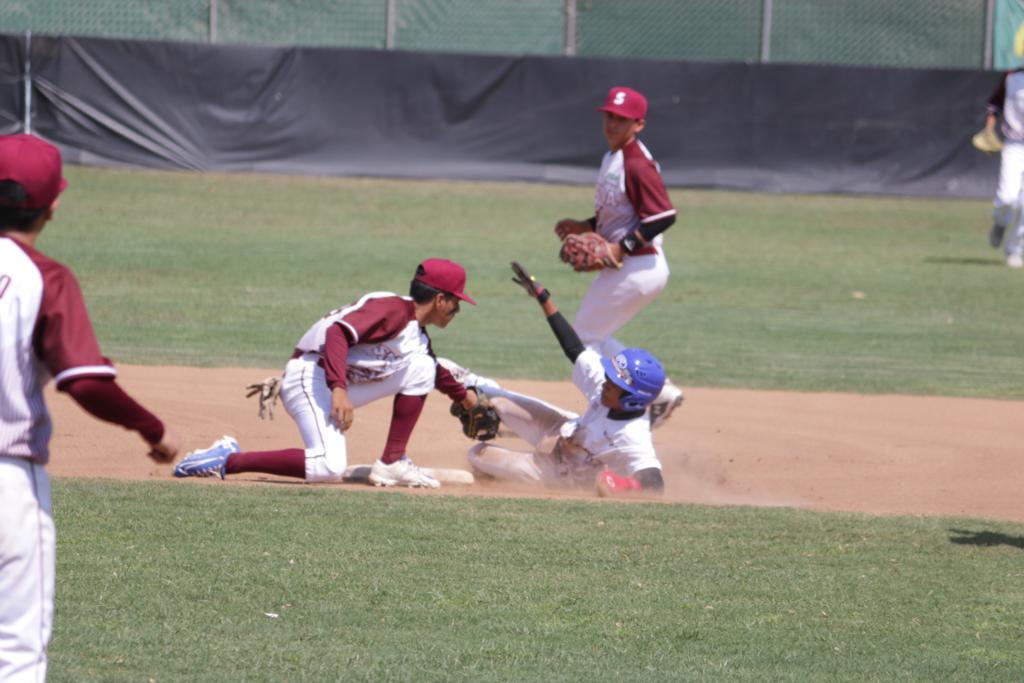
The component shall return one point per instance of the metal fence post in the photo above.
(213, 21)
(27, 126)
(570, 27)
(766, 30)
(990, 18)
(389, 28)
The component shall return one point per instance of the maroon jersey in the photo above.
(629, 192)
(45, 332)
(371, 339)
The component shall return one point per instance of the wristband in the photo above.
(543, 295)
(629, 243)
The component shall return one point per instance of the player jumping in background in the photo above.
(631, 210)
(611, 441)
(1007, 102)
(45, 332)
(369, 350)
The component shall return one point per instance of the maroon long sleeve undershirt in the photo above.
(336, 358)
(447, 384)
(103, 398)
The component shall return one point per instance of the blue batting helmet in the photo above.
(638, 373)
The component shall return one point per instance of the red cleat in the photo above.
(611, 484)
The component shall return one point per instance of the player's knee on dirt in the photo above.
(503, 463)
(650, 479)
(326, 465)
(475, 454)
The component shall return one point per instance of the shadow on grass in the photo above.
(963, 261)
(985, 538)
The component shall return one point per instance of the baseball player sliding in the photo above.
(368, 350)
(611, 441)
(1008, 101)
(45, 332)
(631, 211)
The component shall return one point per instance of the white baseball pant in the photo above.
(307, 399)
(538, 423)
(28, 548)
(615, 296)
(1006, 209)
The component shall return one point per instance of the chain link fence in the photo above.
(727, 30)
(487, 26)
(314, 23)
(904, 33)
(920, 33)
(186, 20)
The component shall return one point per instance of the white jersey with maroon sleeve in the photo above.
(1008, 100)
(383, 332)
(45, 332)
(629, 192)
(569, 449)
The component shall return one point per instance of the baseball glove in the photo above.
(588, 251)
(525, 280)
(480, 423)
(268, 390)
(987, 141)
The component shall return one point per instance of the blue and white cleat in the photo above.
(208, 462)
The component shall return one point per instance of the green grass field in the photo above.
(183, 582)
(231, 270)
(174, 581)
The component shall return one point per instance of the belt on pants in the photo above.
(299, 353)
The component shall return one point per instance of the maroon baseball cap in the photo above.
(444, 275)
(34, 164)
(625, 102)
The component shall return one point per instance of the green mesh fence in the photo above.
(186, 20)
(914, 33)
(492, 26)
(669, 29)
(345, 23)
(919, 33)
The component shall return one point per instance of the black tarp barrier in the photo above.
(786, 128)
(12, 85)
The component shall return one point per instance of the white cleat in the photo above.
(1015, 261)
(402, 472)
(670, 398)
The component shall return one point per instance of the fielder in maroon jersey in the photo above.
(631, 210)
(374, 348)
(45, 332)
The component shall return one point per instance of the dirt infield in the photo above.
(873, 454)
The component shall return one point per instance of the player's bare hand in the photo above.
(167, 449)
(343, 413)
(569, 226)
